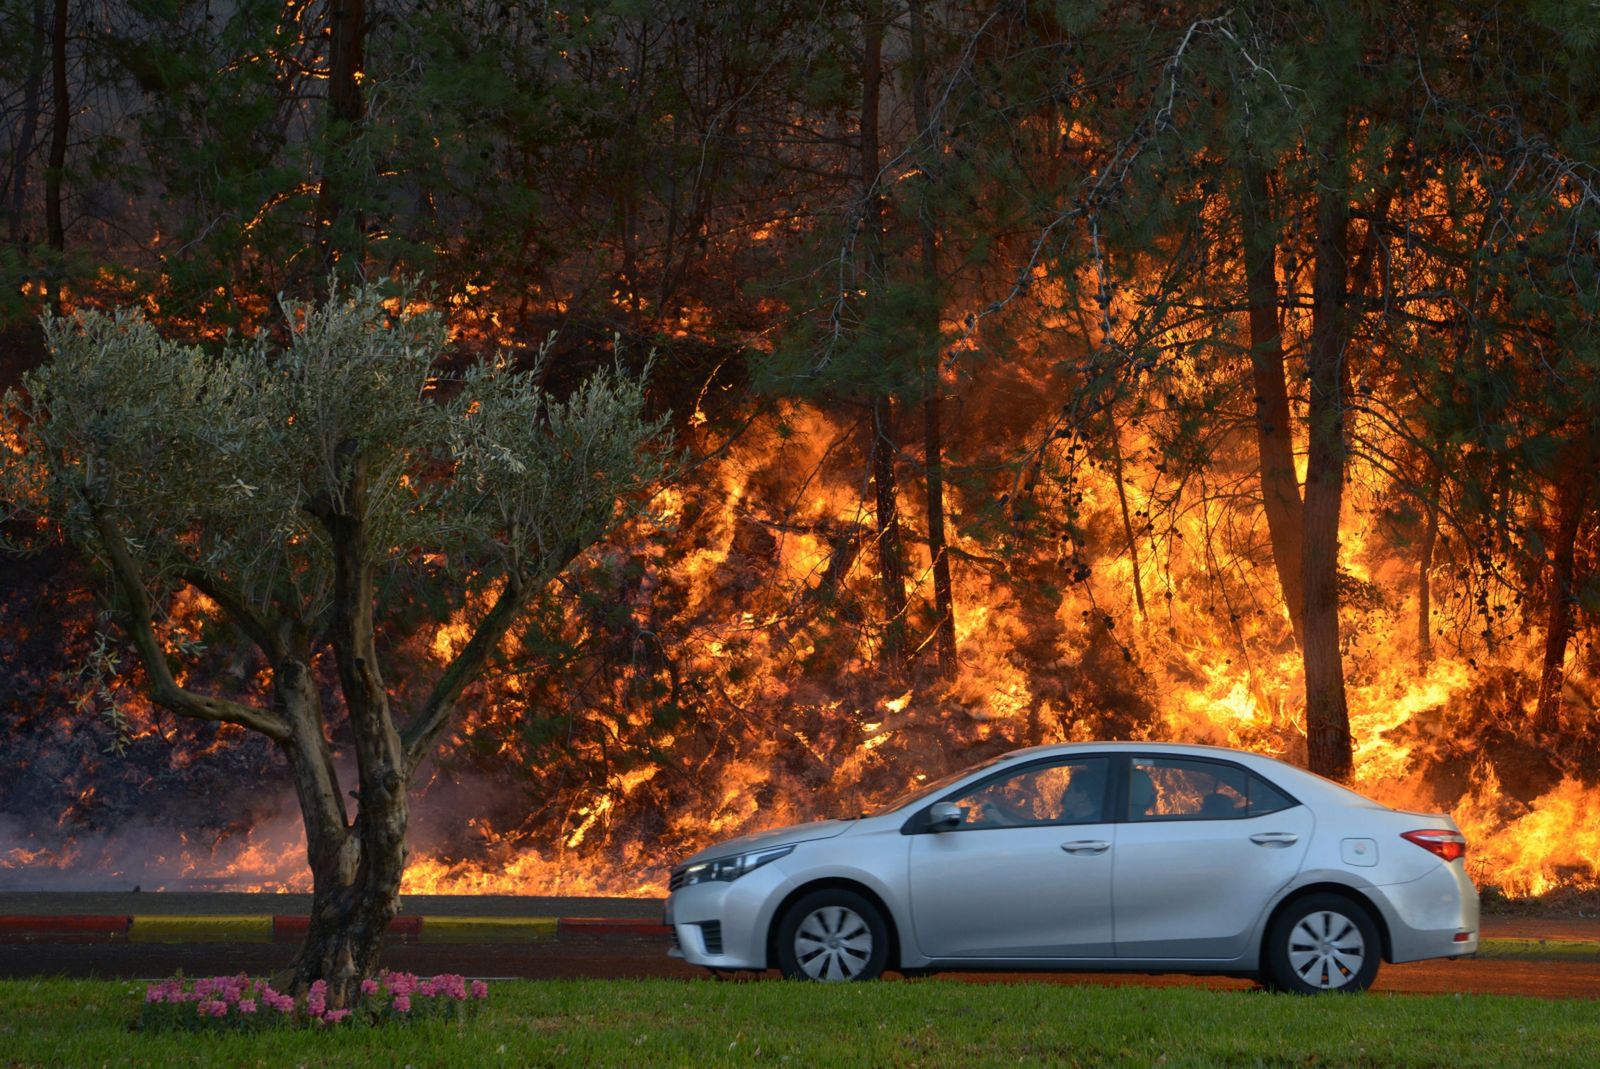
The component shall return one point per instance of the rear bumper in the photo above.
(1435, 916)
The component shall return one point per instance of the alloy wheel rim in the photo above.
(833, 943)
(1326, 949)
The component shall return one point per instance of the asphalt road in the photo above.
(617, 958)
(613, 956)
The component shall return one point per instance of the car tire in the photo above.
(1321, 944)
(832, 935)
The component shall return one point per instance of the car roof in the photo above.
(1196, 748)
(1203, 749)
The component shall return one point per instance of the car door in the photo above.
(1204, 846)
(1027, 874)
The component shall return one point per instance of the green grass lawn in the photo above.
(932, 1022)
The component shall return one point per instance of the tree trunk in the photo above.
(1572, 501)
(355, 883)
(32, 91)
(1430, 537)
(891, 564)
(355, 870)
(1128, 533)
(1327, 717)
(337, 236)
(944, 635)
(891, 569)
(355, 894)
(55, 171)
(1280, 485)
(345, 935)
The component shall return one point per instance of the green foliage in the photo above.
(225, 463)
(535, 479)
(216, 135)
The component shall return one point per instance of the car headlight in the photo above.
(733, 866)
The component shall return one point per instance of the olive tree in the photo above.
(288, 479)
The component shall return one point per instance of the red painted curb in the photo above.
(30, 928)
(610, 926)
(291, 928)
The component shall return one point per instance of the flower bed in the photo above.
(238, 1003)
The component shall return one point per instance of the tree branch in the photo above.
(465, 667)
(137, 622)
(236, 609)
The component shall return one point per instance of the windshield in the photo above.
(917, 794)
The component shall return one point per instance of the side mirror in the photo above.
(945, 816)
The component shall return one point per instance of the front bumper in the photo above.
(724, 925)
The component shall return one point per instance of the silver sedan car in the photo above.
(1137, 857)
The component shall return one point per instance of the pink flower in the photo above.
(317, 999)
(335, 1016)
(369, 987)
(452, 984)
(247, 1005)
(480, 989)
(402, 1004)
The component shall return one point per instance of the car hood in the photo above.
(795, 833)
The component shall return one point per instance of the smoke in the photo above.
(137, 855)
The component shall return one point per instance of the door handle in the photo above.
(1086, 846)
(1274, 838)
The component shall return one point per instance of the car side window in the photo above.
(1068, 792)
(1161, 788)
(1265, 798)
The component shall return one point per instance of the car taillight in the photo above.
(1448, 844)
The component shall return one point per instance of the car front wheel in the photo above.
(1323, 943)
(832, 935)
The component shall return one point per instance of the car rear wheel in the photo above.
(1321, 944)
(832, 935)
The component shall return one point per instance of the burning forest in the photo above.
(1143, 378)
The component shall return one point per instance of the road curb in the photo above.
(291, 928)
(27, 928)
(210, 929)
